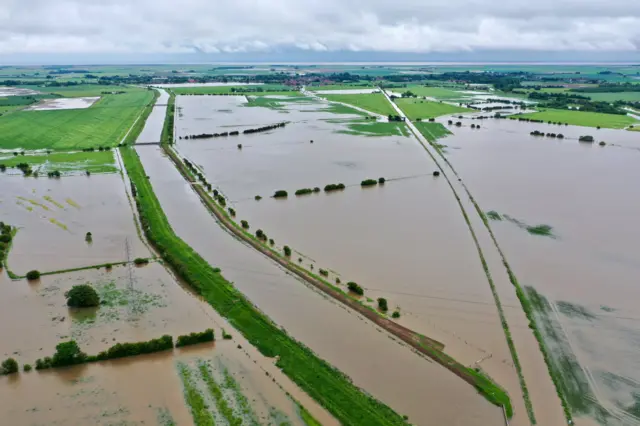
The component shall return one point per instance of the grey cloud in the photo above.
(42, 26)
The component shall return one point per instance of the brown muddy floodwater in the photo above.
(54, 215)
(152, 131)
(589, 271)
(138, 390)
(408, 383)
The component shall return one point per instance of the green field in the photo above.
(266, 89)
(583, 118)
(436, 92)
(374, 102)
(353, 86)
(81, 90)
(613, 96)
(431, 131)
(374, 128)
(417, 108)
(103, 124)
(331, 388)
(94, 162)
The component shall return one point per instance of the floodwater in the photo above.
(152, 131)
(16, 91)
(63, 103)
(589, 269)
(137, 304)
(204, 84)
(404, 241)
(346, 91)
(438, 304)
(54, 215)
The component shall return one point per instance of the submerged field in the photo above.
(374, 102)
(104, 124)
(421, 109)
(65, 162)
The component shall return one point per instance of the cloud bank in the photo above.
(232, 26)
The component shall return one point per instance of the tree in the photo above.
(355, 288)
(82, 296)
(287, 251)
(33, 275)
(68, 353)
(9, 366)
(382, 304)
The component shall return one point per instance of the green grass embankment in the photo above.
(167, 128)
(331, 388)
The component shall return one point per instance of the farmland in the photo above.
(262, 89)
(374, 102)
(102, 125)
(420, 109)
(583, 118)
(92, 162)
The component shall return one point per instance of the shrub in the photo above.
(27, 367)
(215, 193)
(232, 212)
(355, 288)
(3, 167)
(121, 350)
(140, 261)
(334, 187)
(33, 275)
(108, 266)
(586, 138)
(82, 296)
(338, 281)
(225, 335)
(67, 353)
(9, 366)
(271, 241)
(368, 182)
(436, 173)
(244, 224)
(395, 314)
(382, 304)
(602, 143)
(258, 198)
(316, 189)
(323, 272)
(239, 146)
(260, 235)
(287, 251)
(222, 201)
(194, 338)
(281, 193)
(304, 191)
(5, 238)
(381, 180)
(88, 237)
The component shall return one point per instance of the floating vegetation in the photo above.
(543, 230)
(58, 224)
(606, 308)
(195, 401)
(35, 203)
(165, 418)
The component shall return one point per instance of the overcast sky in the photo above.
(412, 26)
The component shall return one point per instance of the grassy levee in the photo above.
(331, 388)
(426, 346)
(138, 125)
(80, 268)
(374, 102)
(167, 128)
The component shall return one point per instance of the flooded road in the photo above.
(588, 267)
(54, 215)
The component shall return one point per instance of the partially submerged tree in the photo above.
(82, 296)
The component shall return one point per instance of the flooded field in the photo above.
(137, 305)
(16, 91)
(453, 305)
(585, 267)
(153, 127)
(54, 215)
(63, 103)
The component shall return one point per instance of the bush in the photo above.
(436, 173)
(338, 281)
(5, 238)
(355, 288)
(271, 241)
(121, 350)
(108, 266)
(323, 272)
(334, 187)
(27, 367)
(382, 304)
(586, 138)
(280, 194)
(316, 189)
(395, 314)
(82, 296)
(602, 143)
(260, 235)
(232, 212)
(9, 366)
(258, 198)
(368, 182)
(194, 338)
(381, 180)
(222, 201)
(287, 251)
(140, 261)
(244, 224)
(88, 237)
(304, 191)
(225, 335)
(67, 353)
(33, 275)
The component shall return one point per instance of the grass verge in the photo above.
(167, 128)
